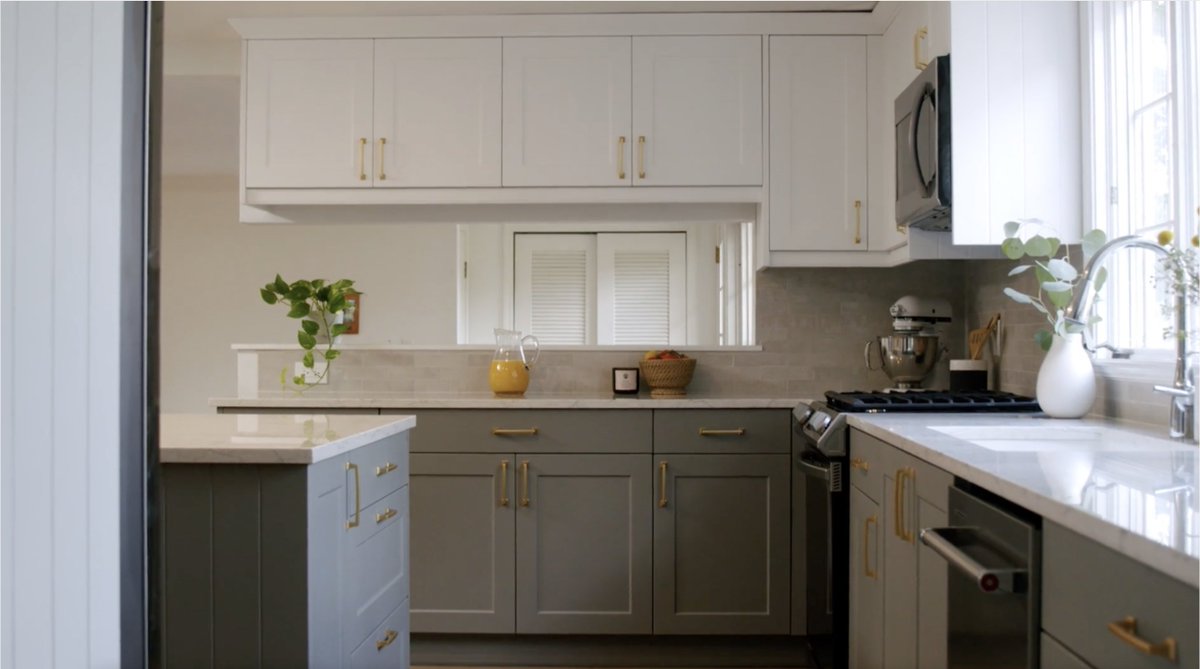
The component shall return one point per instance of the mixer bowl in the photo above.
(906, 358)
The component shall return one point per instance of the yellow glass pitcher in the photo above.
(509, 373)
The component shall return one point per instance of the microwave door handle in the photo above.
(926, 179)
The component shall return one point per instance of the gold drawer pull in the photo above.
(386, 640)
(858, 221)
(867, 571)
(1126, 630)
(362, 161)
(713, 432)
(387, 467)
(641, 156)
(524, 501)
(514, 432)
(351, 524)
(504, 483)
(859, 463)
(621, 157)
(662, 484)
(387, 514)
(382, 143)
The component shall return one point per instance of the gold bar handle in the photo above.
(387, 640)
(859, 463)
(867, 571)
(524, 501)
(641, 156)
(362, 158)
(910, 476)
(351, 524)
(1126, 630)
(504, 483)
(382, 143)
(662, 484)
(385, 468)
(858, 221)
(713, 432)
(621, 157)
(896, 515)
(919, 37)
(514, 432)
(387, 514)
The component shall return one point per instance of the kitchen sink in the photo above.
(1093, 438)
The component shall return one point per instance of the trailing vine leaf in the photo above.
(1062, 270)
(299, 310)
(332, 354)
(1092, 242)
(268, 296)
(1055, 244)
(1043, 339)
(306, 340)
(311, 327)
(338, 329)
(308, 359)
(1037, 246)
(317, 303)
(281, 286)
(1013, 248)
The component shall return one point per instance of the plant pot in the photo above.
(1066, 383)
(322, 335)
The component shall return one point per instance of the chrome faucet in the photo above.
(1182, 390)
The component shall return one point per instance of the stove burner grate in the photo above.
(858, 401)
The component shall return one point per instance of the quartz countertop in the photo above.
(486, 400)
(1121, 486)
(270, 438)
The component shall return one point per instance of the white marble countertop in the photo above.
(486, 400)
(270, 438)
(1111, 482)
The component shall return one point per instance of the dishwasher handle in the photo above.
(948, 542)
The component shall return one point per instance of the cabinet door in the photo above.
(818, 198)
(437, 112)
(721, 553)
(697, 114)
(866, 588)
(308, 113)
(567, 111)
(462, 543)
(900, 566)
(583, 544)
(933, 598)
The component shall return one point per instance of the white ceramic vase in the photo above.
(1066, 383)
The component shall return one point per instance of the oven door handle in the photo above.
(813, 469)
(948, 542)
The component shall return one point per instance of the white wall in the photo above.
(213, 266)
(62, 331)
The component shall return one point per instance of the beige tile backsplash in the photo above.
(812, 326)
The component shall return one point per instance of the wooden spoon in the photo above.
(977, 338)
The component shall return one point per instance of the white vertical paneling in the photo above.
(1005, 110)
(62, 222)
(969, 121)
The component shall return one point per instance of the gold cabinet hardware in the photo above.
(504, 483)
(387, 640)
(919, 37)
(662, 484)
(903, 477)
(351, 524)
(901, 229)
(387, 514)
(896, 504)
(524, 501)
(1126, 630)
(867, 571)
(859, 463)
(362, 158)
(382, 143)
(621, 157)
(641, 156)
(385, 468)
(858, 221)
(514, 432)
(714, 432)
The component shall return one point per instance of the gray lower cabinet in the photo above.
(866, 587)
(463, 543)
(285, 565)
(583, 544)
(1056, 656)
(721, 544)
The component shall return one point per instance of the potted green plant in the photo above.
(1066, 383)
(319, 305)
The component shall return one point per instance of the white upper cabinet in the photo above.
(308, 114)
(437, 112)
(567, 111)
(697, 111)
(818, 193)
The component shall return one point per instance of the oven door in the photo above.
(821, 504)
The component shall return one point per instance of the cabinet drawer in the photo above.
(867, 465)
(1087, 586)
(375, 575)
(382, 470)
(534, 431)
(1056, 656)
(387, 646)
(723, 431)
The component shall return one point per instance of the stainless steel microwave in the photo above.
(923, 149)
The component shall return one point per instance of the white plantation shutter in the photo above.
(641, 289)
(554, 286)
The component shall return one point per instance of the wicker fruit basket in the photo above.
(669, 377)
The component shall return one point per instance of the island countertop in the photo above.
(487, 400)
(270, 438)
(1112, 482)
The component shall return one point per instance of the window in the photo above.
(1142, 81)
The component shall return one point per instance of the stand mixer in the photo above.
(909, 354)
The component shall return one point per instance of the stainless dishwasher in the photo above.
(993, 550)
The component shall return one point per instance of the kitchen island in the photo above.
(284, 540)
